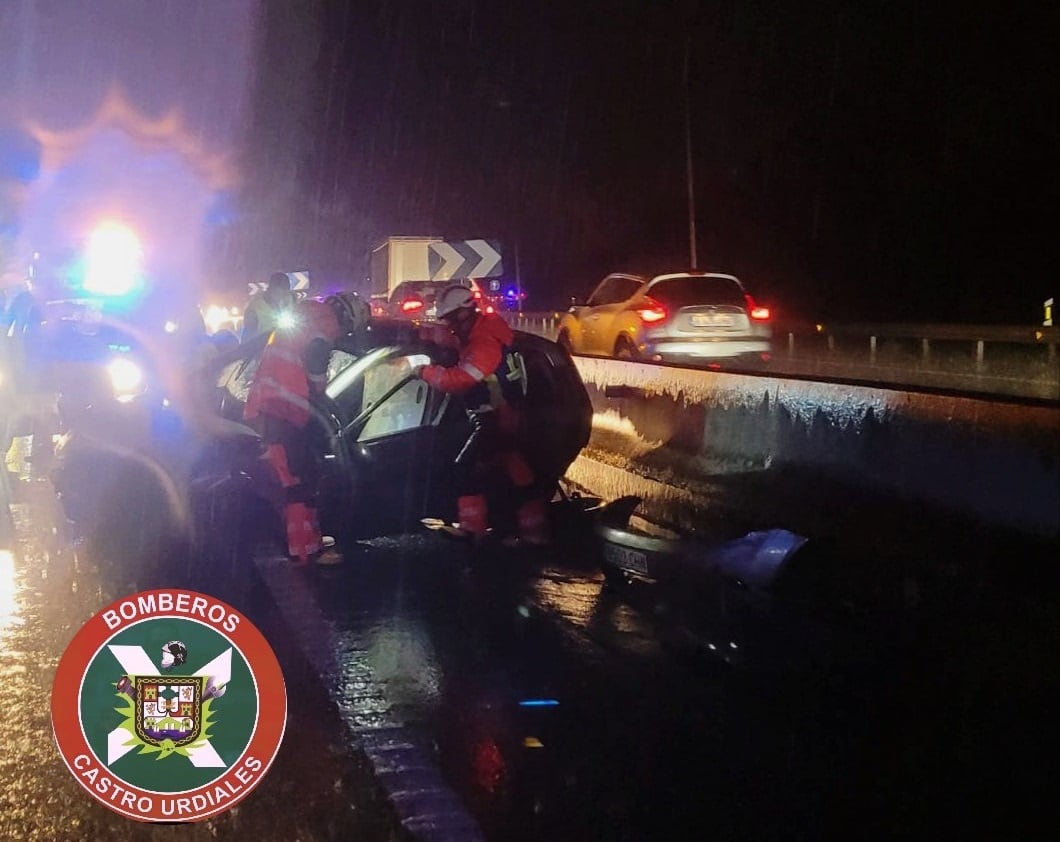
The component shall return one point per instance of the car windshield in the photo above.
(366, 383)
(688, 291)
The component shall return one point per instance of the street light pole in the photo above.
(688, 162)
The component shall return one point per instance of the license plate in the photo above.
(711, 320)
(632, 560)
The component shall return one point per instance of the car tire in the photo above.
(626, 350)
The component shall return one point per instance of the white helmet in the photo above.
(174, 654)
(352, 311)
(454, 297)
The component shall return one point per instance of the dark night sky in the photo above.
(877, 160)
(885, 161)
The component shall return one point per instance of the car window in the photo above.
(598, 294)
(625, 288)
(690, 291)
(346, 388)
(426, 290)
(403, 410)
(338, 363)
(613, 290)
(365, 381)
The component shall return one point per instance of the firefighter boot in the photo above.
(532, 521)
(471, 510)
(303, 534)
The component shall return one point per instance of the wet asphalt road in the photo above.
(514, 696)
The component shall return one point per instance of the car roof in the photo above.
(651, 279)
(672, 275)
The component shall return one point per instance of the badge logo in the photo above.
(169, 706)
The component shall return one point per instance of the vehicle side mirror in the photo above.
(576, 302)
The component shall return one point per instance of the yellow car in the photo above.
(684, 317)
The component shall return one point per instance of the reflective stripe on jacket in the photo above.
(281, 386)
(484, 357)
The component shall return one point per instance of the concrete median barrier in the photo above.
(995, 461)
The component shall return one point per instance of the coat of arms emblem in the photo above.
(168, 708)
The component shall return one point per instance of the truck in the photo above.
(397, 260)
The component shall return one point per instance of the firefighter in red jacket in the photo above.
(491, 379)
(293, 369)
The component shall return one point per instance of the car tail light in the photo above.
(378, 309)
(411, 305)
(651, 311)
(759, 314)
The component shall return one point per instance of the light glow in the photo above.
(286, 320)
(651, 311)
(126, 377)
(215, 317)
(758, 314)
(8, 586)
(113, 260)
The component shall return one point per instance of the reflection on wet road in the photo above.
(514, 696)
(49, 586)
(554, 709)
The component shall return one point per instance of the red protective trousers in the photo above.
(300, 517)
(532, 515)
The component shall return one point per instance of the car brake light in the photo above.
(651, 311)
(759, 314)
(410, 305)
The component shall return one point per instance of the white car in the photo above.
(679, 317)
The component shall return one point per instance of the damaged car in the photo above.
(389, 440)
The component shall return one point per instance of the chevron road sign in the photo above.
(299, 282)
(455, 259)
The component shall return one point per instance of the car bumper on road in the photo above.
(675, 350)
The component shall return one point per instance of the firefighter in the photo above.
(263, 310)
(293, 369)
(491, 379)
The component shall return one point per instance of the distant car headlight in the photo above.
(126, 378)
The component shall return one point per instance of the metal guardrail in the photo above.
(1018, 360)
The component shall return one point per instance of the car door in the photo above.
(391, 442)
(609, 315)
(594, 311)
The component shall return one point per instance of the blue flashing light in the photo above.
(510, 292)
(539, 703)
